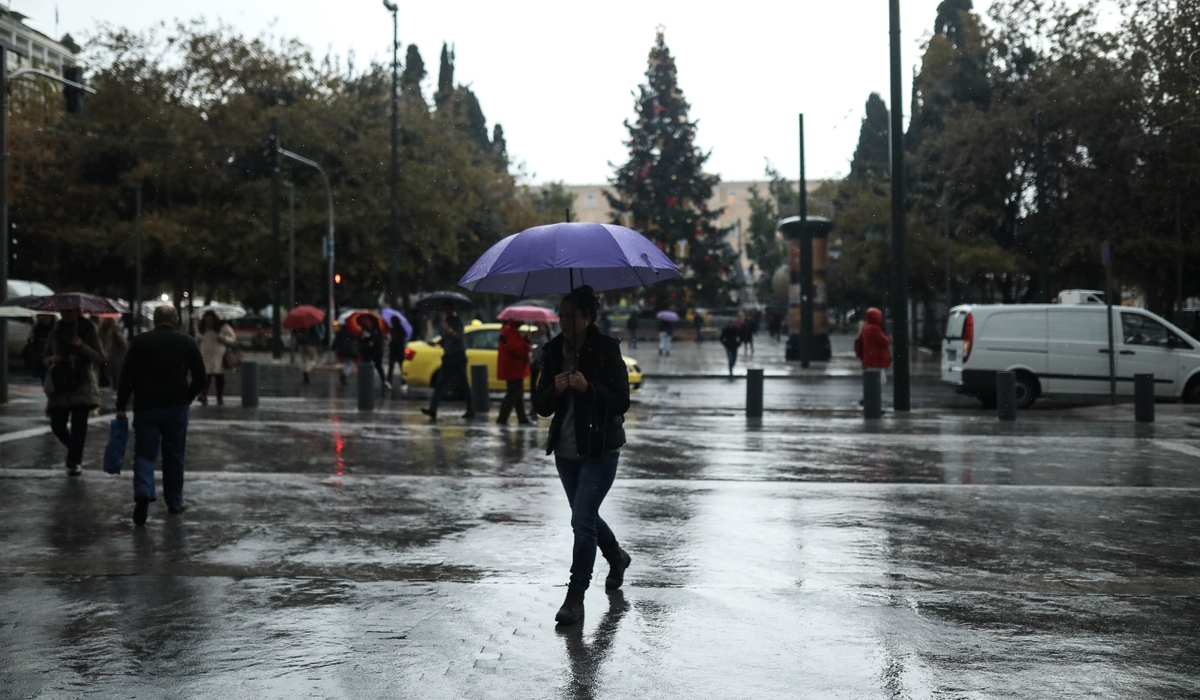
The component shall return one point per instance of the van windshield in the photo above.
(954, 325)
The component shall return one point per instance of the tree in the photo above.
(187, 116)
(872, 160)
(445, 89)
(663, 192)
(413, 74)
(764, 246)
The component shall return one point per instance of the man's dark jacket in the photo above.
(607, 394)
(156, 370)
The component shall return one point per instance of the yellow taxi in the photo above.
(423, 360)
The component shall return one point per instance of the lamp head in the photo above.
(391, 6)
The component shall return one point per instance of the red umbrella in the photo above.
(529, 314)
(303, 317)
(354, 321)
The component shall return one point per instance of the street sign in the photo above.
(1105, 255)
(325, 248)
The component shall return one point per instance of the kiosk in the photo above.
(818, 228)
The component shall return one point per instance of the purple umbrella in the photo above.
(556, 258)
(392, 316)
(668, 316)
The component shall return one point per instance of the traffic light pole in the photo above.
(5, 78)
(3, 219)
(394, 233)
(899, 300)
(276, 263)
(806, 266)
(331, 240)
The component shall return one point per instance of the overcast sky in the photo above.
(559, 76)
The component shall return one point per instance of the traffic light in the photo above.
(337, 278)
(73, 95)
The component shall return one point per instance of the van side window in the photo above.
(1137, 329)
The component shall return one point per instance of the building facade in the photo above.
(28, 47)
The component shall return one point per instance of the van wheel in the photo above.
(1028, 389)
(1191, 393)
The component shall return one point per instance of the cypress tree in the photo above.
(445, 89)
(871, 157)
(663, 192)
(414, 72)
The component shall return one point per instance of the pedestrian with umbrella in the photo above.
(400, 332)
(584, 384)
(372, 340)
(215, 338)
(304, 322)
(73, 358)
(454, 362)
(666, 321)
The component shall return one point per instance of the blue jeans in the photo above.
(731, 355)
(587, 482)
(153, 427)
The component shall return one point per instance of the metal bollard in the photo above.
(479, 389)
(249, 372)
(366, 386)
(1143, 398)
(1006, 395)
(754, 393)
(872, 394)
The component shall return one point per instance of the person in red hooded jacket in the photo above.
(873, 345)
(512, 366)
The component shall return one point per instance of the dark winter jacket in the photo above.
(156, 370)
(607, 395)
(731, 336)
(85, 358)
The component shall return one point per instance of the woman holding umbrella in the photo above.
(584, 385)
(73, 358)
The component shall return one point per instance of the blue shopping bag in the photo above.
(114, 452)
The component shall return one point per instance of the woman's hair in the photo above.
(584, 299)
(214, 325)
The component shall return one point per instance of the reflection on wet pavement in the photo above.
(328, 553)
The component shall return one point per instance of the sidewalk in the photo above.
(689, 359)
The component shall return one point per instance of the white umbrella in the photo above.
(225, 312)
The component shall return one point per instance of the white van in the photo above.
(1062, 350)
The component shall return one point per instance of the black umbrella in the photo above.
(435, 300)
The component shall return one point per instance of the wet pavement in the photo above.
(332, 553)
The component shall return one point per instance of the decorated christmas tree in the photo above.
(663, 192)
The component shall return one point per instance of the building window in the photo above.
(591, 200)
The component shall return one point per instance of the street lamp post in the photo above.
(394, 234)
(330, 240)
(899, 300)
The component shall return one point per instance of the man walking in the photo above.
(156, 373)
(454, 363)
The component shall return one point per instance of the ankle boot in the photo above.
(616, 572)
(572, 608)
